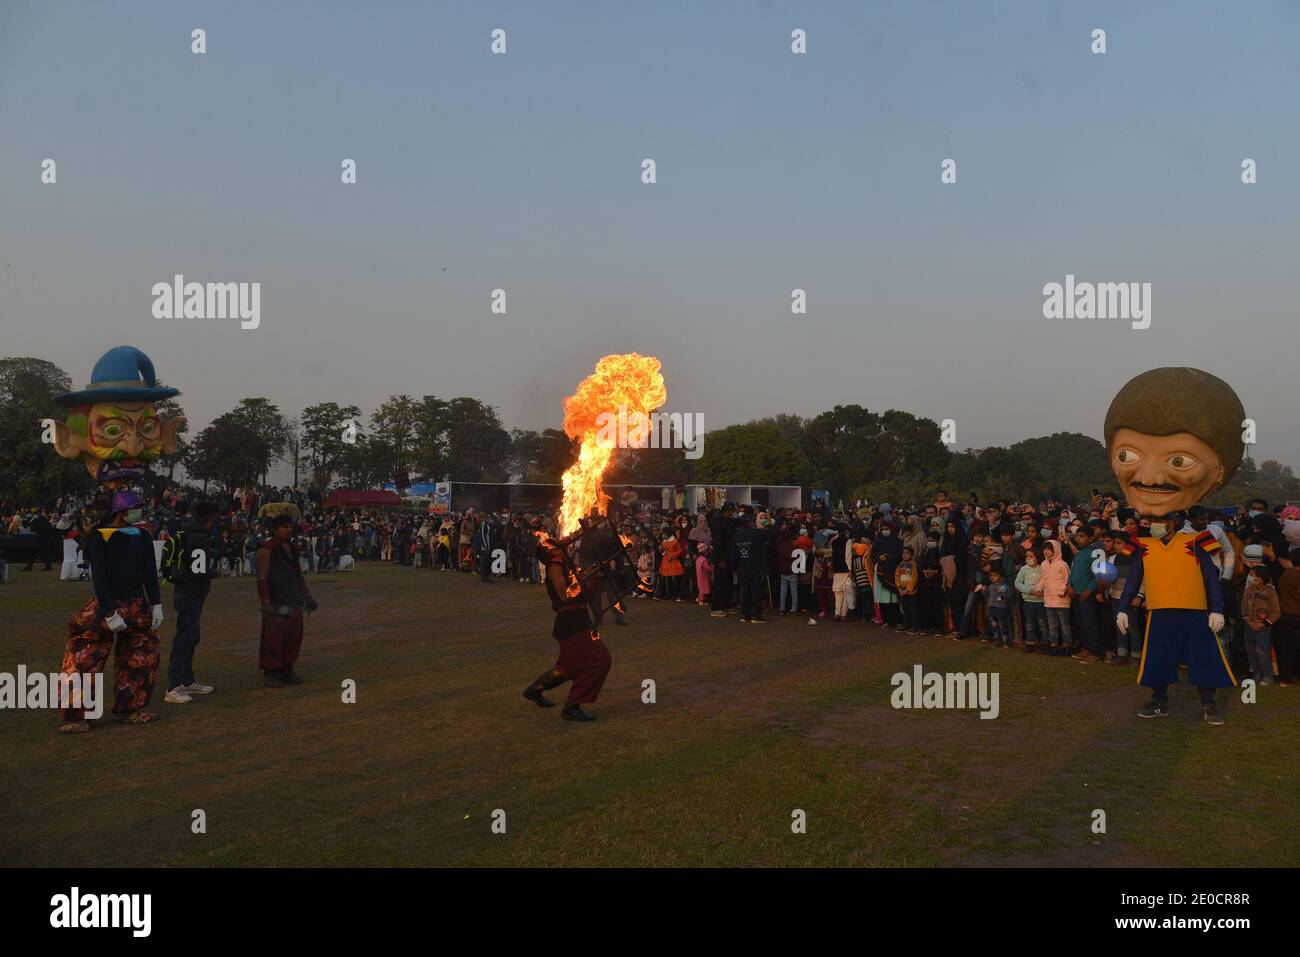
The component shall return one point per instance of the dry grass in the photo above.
(751, 722)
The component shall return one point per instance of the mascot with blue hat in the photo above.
(112, 424)
(115, 430)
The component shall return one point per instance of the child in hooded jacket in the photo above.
(1053, 585)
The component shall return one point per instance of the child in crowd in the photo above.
(906, 577)
(999, 605)
(1053, 585)
(823, 581)
(703, 574)
(860, 570)
(1032, 601)
(645, 567)
(1260, 609)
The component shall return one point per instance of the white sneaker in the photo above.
(177, 696)
(197, 688)
(812, 621)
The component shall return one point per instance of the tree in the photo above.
(225, 453)
(395, 426)
(324, 438)
(171, 409)
(31, 472)
(266, 431)
(1066, 465)
(756, 453)
(477, 444)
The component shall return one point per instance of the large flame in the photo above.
(632, 382)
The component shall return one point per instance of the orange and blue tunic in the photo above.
(1182, 589)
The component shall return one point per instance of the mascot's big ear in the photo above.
(169, 430)
(67, 442)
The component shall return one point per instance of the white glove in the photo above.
(115, 623)
(1121, 622)
(157, 616)
(1216, 622)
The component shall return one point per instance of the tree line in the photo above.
(850, 451)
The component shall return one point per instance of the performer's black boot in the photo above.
(545, 682)
(574, 712)
(1209, 710)
(271, 678)
(289, 676)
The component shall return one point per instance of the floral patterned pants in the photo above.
(135, 662)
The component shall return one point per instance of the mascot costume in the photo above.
(1174, 436)
(114, 429)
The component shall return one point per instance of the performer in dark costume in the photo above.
(583, 657)
(284, 595)
(121, 617)
(600, 550)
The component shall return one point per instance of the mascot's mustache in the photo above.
(114, 454)
(1154, 488)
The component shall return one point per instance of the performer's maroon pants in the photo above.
(585, 661)
(281, 641)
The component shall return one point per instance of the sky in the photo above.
(775, 171)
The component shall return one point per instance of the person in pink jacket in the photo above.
(703, 574)
(1053, 586)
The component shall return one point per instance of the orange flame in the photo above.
(632, 382)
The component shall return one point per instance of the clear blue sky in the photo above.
(775, 171)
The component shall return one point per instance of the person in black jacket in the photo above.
(721, 530)
(199, 564)
(45, 537)
(749, 558)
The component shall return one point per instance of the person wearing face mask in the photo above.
(122, 617)
(886, 553)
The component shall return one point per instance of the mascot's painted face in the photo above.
(1164, 473)
(116, 440)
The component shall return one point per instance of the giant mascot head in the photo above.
(112, 425)
(1174, 436)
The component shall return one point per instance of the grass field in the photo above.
(751, 722)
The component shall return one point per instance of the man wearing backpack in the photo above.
(190, 565)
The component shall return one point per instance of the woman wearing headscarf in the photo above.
(952, 561)
(886, 552)
(915, 539)
(700, 534)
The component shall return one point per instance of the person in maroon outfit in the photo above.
(284, 595)
(583, 657)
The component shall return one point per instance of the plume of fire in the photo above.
(632, 382)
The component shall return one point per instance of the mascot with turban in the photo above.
(114, 429)
(1174, 436)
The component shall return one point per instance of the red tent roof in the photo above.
(350, 498)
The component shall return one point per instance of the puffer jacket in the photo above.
(1054, 578)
